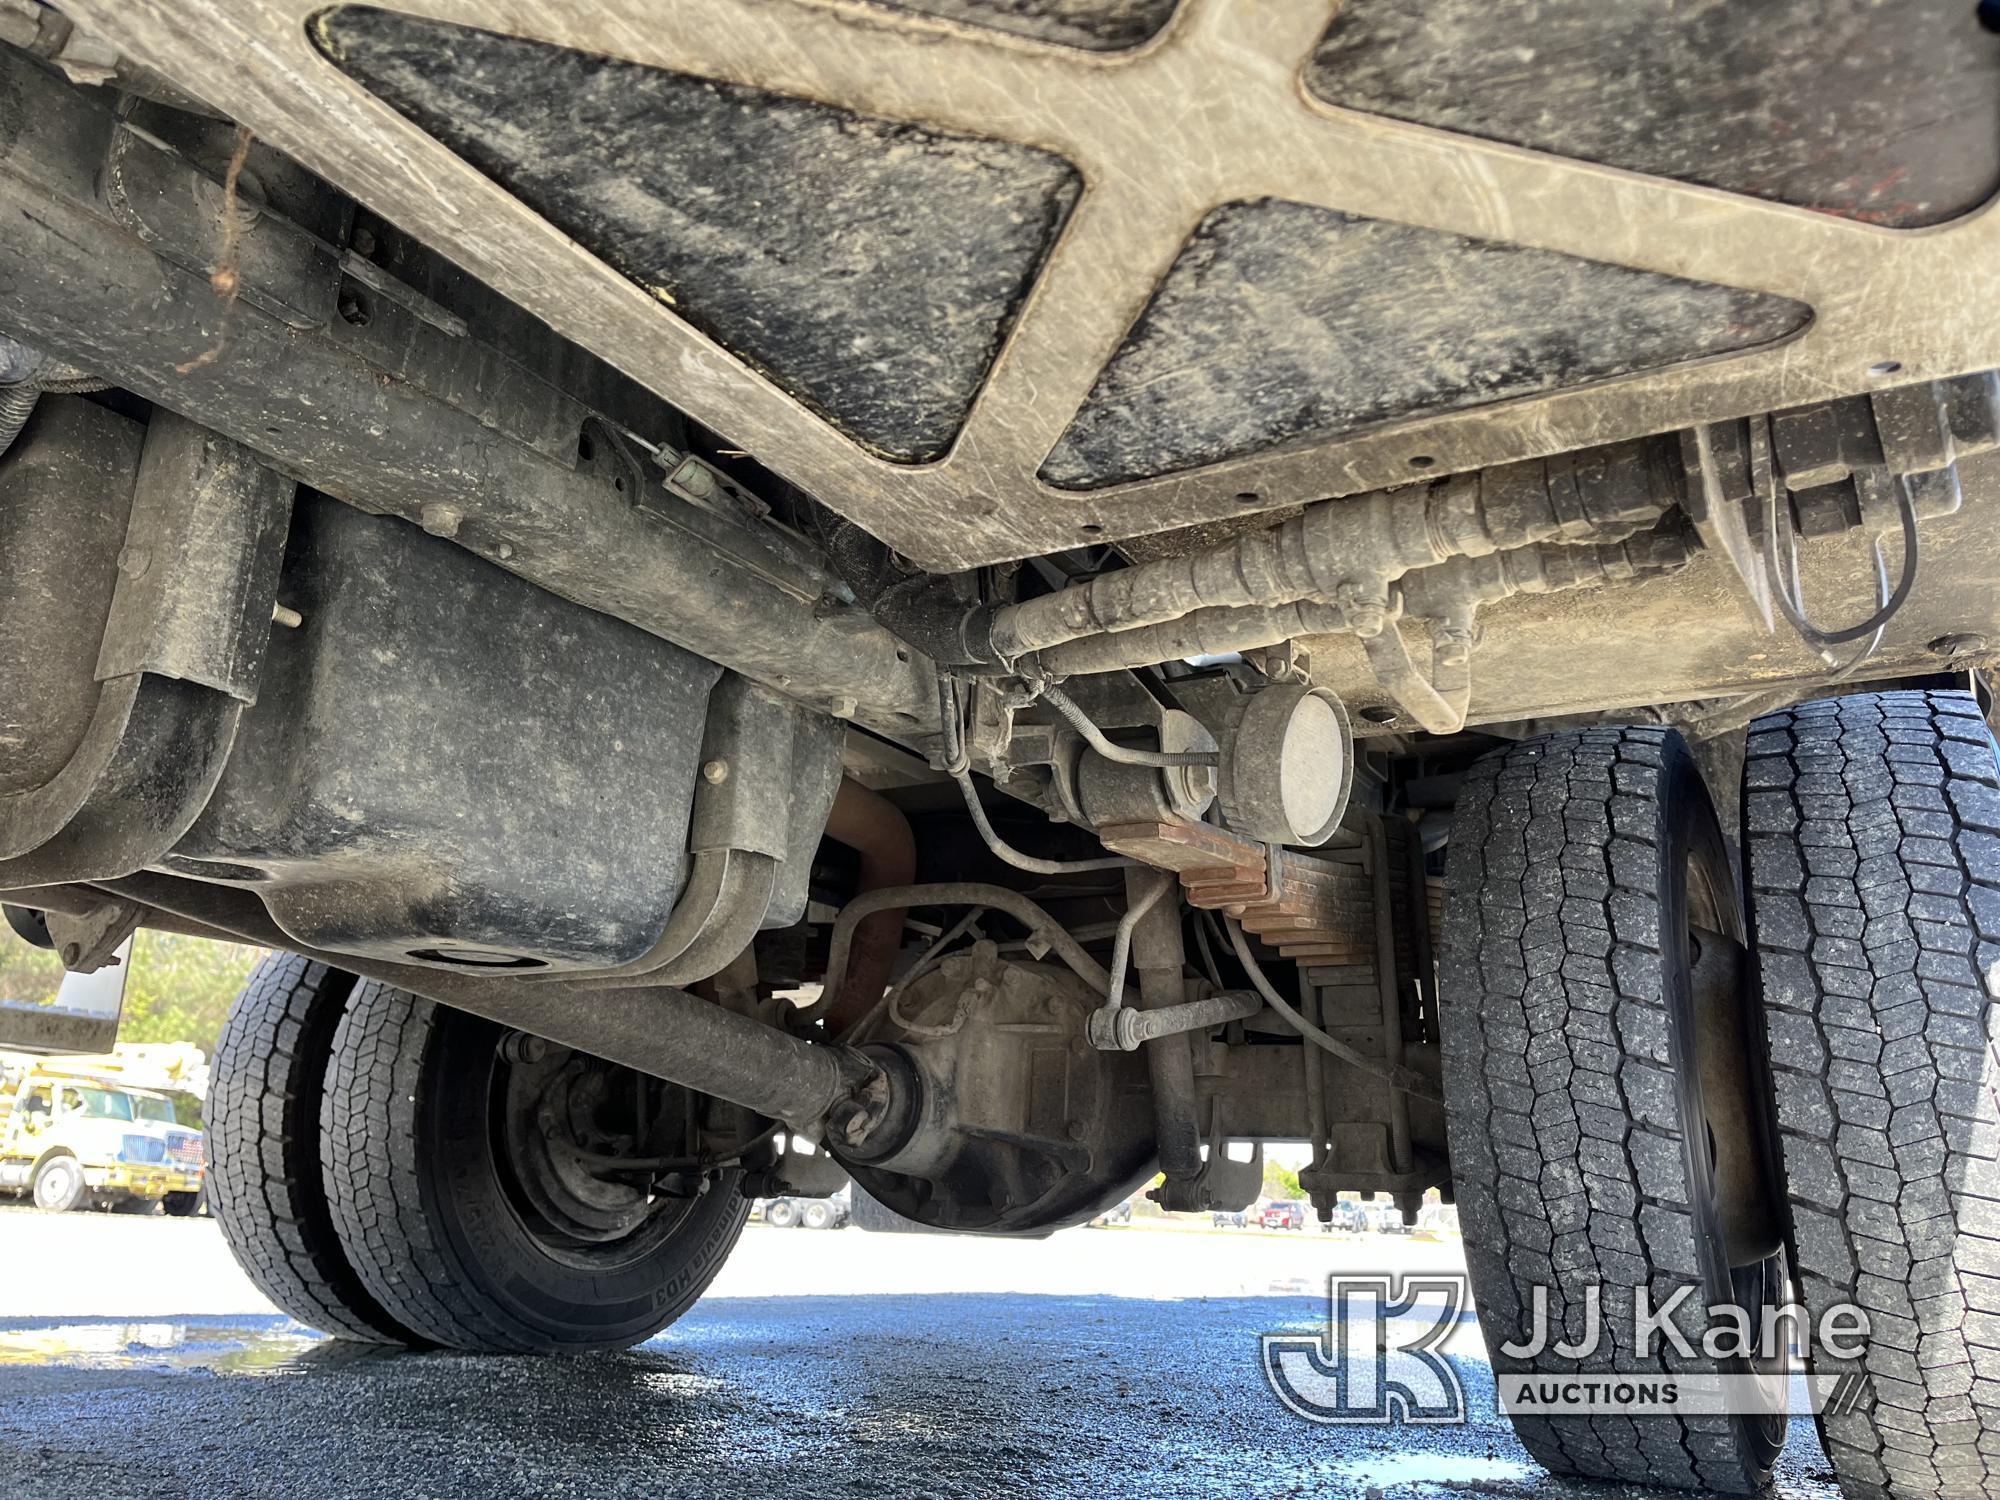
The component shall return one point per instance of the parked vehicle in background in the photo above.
(1348, 1215)
(1283, 1213)
(812, 1213)
(1386, 1218)
(75, 1134)
(1229, 1219)
(1118, 1213)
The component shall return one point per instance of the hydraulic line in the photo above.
(957, 766)
(956, 893)
(1434, 592)
(1123, 755)
(1156, 883)
(1784, 577)
(1350, 551)
(1008, 853)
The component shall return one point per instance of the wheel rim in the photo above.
(56, 1186)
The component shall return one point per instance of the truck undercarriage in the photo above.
(1003, 596)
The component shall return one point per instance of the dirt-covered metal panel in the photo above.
(1888, 112)
(1282, 322)
(1212, 109)
(1097, 25)
(448, 765)
(869, 267)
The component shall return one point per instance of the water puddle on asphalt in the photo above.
(1421, 1471)
(232, 1349)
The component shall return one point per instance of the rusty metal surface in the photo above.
(1322, 911)
(1211, 110)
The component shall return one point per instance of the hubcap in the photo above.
(58, 1183)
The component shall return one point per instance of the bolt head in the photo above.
(1454, 648)
(522, 1047)
(848, 1121)
(715, 772)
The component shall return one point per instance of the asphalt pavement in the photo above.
(135, 1360)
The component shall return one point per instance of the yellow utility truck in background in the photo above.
(99, 1131)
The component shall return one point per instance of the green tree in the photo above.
(27, 973)
(1280, 1181)
(179, 989)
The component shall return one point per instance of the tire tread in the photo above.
(262, 1138)
(368, 1130)
(1563, 1117)
(1871, 828)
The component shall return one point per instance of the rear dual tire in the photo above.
(431, 1212)
(264, 1180)
(357, 1172)
(1872, 834)
(1583, 1107)
(1872, 845)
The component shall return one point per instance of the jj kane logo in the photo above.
(1381, 1357)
